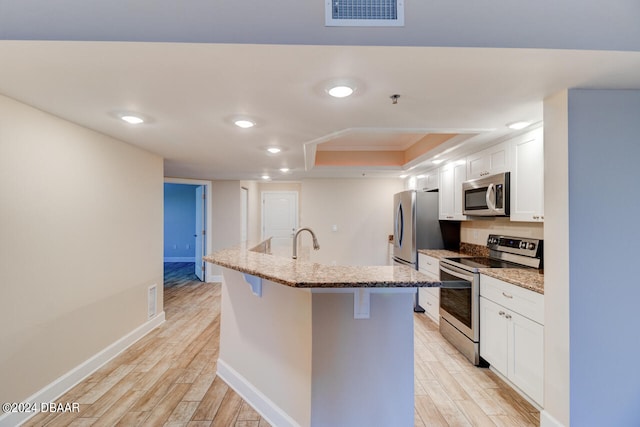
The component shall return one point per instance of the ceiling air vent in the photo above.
(364, 13)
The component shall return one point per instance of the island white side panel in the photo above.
(266, 341)
(362, 368)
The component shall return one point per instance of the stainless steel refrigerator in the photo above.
(416, 226)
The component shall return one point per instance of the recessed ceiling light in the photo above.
(437, 161)
(244, 123)
(131, 119)
(274, 150)
(284, 170)
(518, 125)
(266, 177)
(402, 176)
(420, 176)
(340, 91)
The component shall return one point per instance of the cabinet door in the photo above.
(429, 265)
(526, 355)
(446, 192)
(488, 161)
(428, 182)
(493, 335)
(431, 303)
(451, 178)
(527, 177)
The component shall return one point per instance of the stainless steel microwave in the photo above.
(487, 196)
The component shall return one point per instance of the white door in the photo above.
(200, 231)
(279, 217)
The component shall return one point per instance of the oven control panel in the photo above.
(516, 245)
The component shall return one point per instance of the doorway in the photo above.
(186, 221)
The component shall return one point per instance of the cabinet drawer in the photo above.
(431, 303)
(433, 291)
(522, 301)
(429, 265)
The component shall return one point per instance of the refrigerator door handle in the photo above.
(399, 225)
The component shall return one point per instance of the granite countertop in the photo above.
(441, 253)
(528, 278)
(302, 274)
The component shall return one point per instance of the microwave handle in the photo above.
(490, 203)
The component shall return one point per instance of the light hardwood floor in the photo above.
(168, 378)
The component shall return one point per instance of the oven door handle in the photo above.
(462, 274)
(455, 284)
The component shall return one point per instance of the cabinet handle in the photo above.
(507, 295)
(501, 313)
(508, 316)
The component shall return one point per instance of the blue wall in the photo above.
(604, 204)
(179, 220)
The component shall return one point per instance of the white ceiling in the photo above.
(193, 91)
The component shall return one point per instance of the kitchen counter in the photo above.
(527, 278)
(441, 253)
(301, 274)
(298, 337)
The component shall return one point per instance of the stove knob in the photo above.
(532, 246)
(523, 245)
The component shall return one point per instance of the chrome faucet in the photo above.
(316, 246)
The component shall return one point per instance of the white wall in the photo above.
(225, 218)
(81, 240)
(254, 209)
(362, 209)
(556, 261)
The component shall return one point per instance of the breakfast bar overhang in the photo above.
(308, 344)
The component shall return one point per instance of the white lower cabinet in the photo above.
(430, 297)
(430, 301)
(512, 343)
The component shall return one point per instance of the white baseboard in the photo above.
(217, 278)
(179, 259)
(546, 420)
(271, 412)
(67, 381)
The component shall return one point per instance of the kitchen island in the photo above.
(308, 344)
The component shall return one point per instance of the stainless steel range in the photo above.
(460, 292)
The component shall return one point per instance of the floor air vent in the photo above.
(361, 13)
(152, 301)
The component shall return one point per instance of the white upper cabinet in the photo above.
(527, 177)
(428, 181)
(452, 176)
(488, 161)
